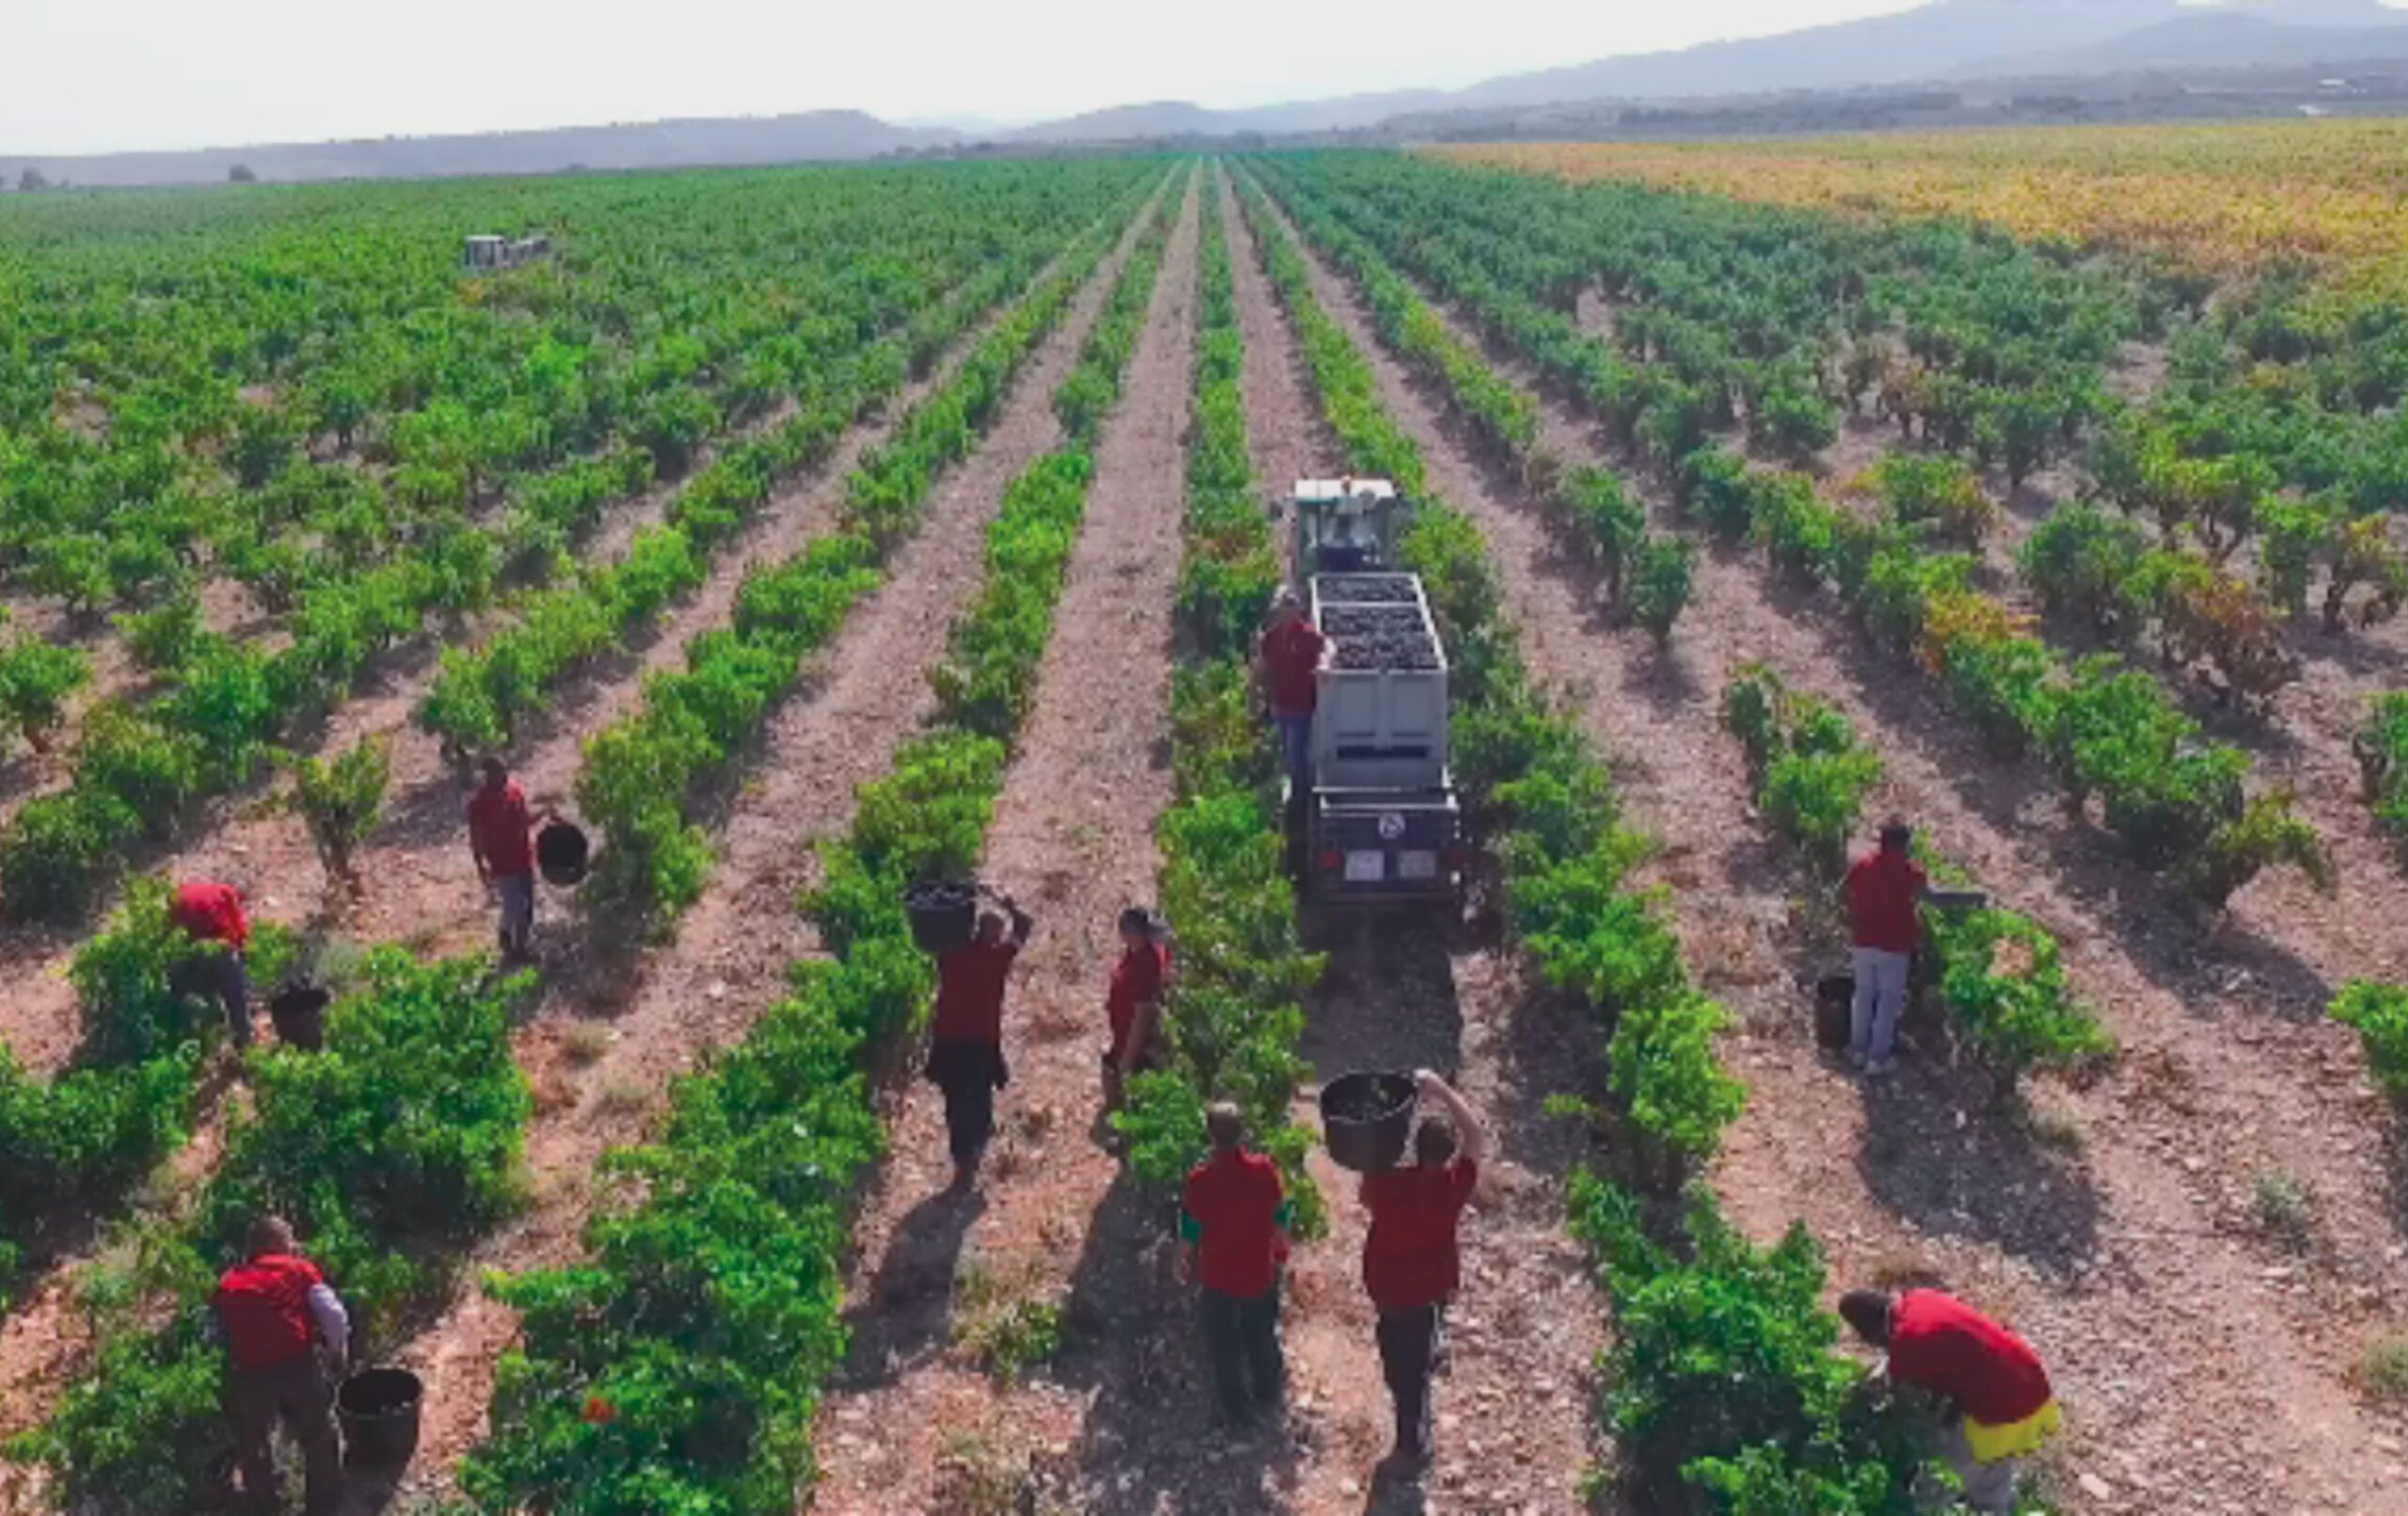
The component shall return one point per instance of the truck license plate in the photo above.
(1417, 863)
(1366, 867)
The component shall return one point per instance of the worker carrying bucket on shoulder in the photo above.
(966, 1033)
(1412, 1259)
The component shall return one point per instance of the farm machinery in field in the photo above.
(1381, 821)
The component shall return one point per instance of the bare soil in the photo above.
(1072, 840)
(420, 885)
(2178, 1329)
(662, 1006)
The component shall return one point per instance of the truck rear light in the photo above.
(1459, 856)
(1332, 859)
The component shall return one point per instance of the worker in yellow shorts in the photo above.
(2003, 1406)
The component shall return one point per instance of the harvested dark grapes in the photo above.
(1365, 589)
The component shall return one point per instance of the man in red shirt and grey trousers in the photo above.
(1884, 887)
(1287, 665)
(1233, 1222)
(1412, 1265)
(2001, 1407)
(276, 1312)
(211, 914)
(502, 840)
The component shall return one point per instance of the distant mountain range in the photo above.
(813, 136)
(1944, 41)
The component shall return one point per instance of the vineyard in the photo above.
(807, 533)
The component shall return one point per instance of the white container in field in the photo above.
(1381, 721)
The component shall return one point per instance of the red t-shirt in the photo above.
(266, 1306)
(500, 826)
(1136, 979)
(1883, 890)
(970, 992)
(1410, 1259)
(1940, 1344)
(1291, 653)
(1234, 1204)
(211, 912)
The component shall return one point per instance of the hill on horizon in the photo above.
(1942, 41)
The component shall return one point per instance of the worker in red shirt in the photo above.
(1288, 666)
(1133, 1004)
(275, 1314)
(966, 1033)
(1884, 889)
(2001, 1406)
(502, 840)
(1234, 1234)
(1412, 1264)
(211, 914)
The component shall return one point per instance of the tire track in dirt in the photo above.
(2150, 1336)
(727, 961)
(1073, 839)
(38, 1343)
(1511, 1409)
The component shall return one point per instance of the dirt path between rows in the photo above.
(1073, 840)
(2201, 1370)
(411, 892)
(603, 1100)
(727, 961)
(1512, 1410)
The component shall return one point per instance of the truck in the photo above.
(1382, 822)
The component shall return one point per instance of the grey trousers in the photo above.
(1989, 1488)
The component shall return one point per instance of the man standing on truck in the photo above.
(276, 1313)
(211, 914)
(1884, 889)
(1412, 1264)
(1288, 666)
(2001, 1407)
(1234, 1231)
(502, 840)
(966, 1034)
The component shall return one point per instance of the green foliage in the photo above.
(403, 1132)
(1233, 1016)
(679, 1367)
(2380, 1014)
(343, 801)
(2382, 749)
(1812, 774)
(35, 678)
(1938, 493)
(990, 677)
(1728, 1393)
(2003, 981)
(1661, 574)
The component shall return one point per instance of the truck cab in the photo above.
(1382, 822)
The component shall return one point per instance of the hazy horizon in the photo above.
(133, 75)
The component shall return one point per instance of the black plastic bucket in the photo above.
(1366, 1118)
(942, 915)
(300, 1015)
(1834, 1003)
(563, 853)
(378, 1409)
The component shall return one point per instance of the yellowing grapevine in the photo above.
(2227, 198)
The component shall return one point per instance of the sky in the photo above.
(107, 75)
